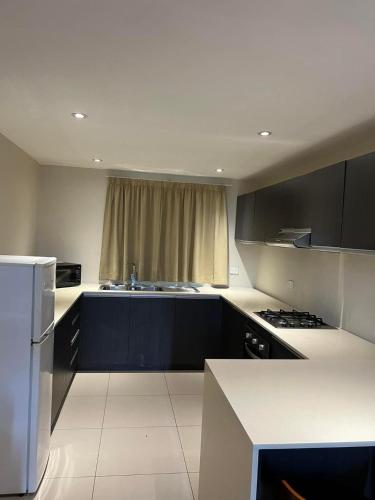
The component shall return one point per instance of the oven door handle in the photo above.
(250, 353)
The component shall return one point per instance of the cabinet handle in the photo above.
(75, 337)
(74, 357)
(74, 320)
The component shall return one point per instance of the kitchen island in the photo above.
(260, 406)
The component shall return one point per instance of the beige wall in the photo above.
(337, 286)
(70, 216)
(18, 199)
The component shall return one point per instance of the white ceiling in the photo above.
(183, 86)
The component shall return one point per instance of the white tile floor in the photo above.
(127, 436)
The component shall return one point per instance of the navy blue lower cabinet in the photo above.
(105, 331)
(197, 332)
(59, 370)
(151, 332)
(343, 473)
(234, 328)
(65, 357)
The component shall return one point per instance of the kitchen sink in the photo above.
(152, 287)
(128, 287)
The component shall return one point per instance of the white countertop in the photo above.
(326, 400)
(291, 403)
(312, 344)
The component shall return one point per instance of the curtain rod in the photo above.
(165, 180)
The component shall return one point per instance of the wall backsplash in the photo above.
(359, 295)
(339, 287)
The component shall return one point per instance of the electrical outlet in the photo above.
(290, 284)
(234, 270)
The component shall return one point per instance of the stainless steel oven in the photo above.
(68, 274)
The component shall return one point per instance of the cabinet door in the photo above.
(59, 370)
(266, 216)
(75, 338)
(275, 209)
(314, 200)
(197, 332)
(233, 332)
(64, 357)
(105, 328)
(359, 203)
(318, 204)
(151, 332)
(245, 217)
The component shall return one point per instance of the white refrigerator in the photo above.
(27, 300)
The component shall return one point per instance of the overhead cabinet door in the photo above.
(311, 201)
(359, 204)
(318, 204)
(245, 217)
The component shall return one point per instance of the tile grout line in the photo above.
(113, 475)
(100, 440)
(179, 438)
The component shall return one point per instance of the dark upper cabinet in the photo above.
(151, 332)
(359, 204)
(317, 203)
(245, 217)
(197, 333)
(105, 330)
(314, 200)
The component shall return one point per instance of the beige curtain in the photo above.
(171, 231)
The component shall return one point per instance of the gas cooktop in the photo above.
(292, 319)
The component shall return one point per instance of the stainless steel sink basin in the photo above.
(178, 288)
(128, 287)
(151, 287)
(112, 286)
(141, 287)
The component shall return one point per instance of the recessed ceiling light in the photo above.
(264, 133)
(79, 116)
(219, 170)
(97, 160)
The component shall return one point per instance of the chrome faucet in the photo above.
(133, 276)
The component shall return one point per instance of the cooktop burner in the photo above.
(292, 319)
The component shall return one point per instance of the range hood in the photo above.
(291, 237)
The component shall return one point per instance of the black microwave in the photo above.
(67, 274)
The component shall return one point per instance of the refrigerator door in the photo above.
(44, 297)
(16, 313)
(40, 409)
